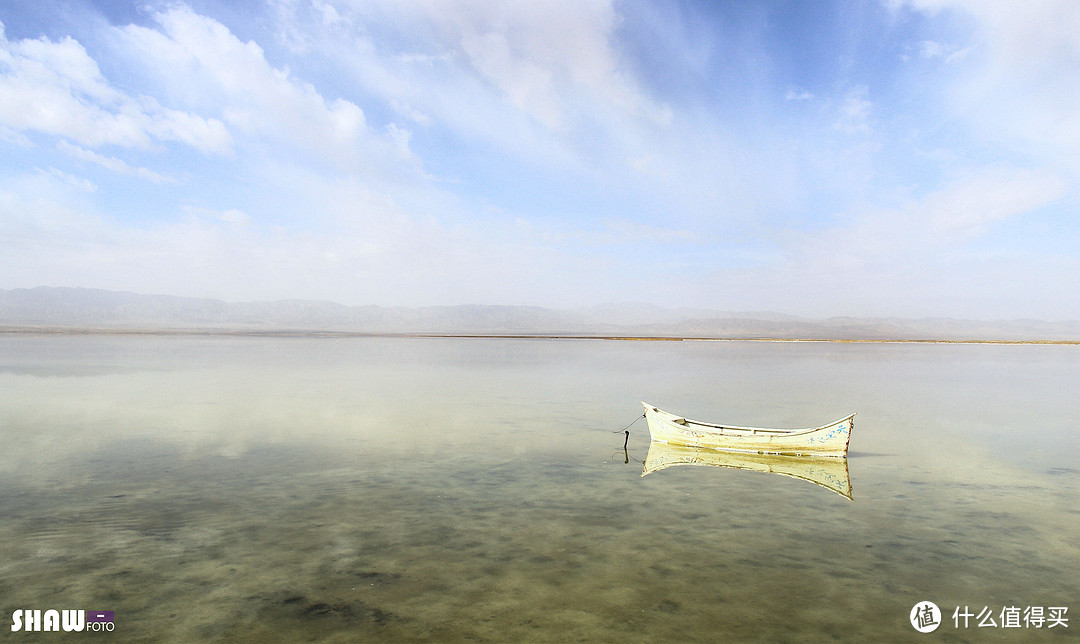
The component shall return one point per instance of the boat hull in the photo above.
(828, 440)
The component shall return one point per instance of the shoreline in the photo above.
(26, 330)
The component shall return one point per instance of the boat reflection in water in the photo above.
(831, 473)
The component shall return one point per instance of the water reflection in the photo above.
(829, 473)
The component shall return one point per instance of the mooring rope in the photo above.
(619, 431)
(626, 430)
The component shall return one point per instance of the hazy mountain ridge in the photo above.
(82, 308)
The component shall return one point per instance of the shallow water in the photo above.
(378, 489)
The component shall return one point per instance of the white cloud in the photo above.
(935, 50)
(965, 208)
(541, 81)
(36, 210)
(931, 49)
(292, 17)
(529, 86)
(55, 87)
(364, 247)
(411, 113)
(920, 257)
(218, 72)
(934, 223)
(854, 111)
(225, 255)
(1022, 83)
(545, 57)
(1032, 33)
(112, 163)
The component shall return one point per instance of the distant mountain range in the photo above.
(82, 309)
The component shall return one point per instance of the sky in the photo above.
(911, 158)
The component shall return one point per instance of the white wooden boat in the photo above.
(827, 440)
(829, 473)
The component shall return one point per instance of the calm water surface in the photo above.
(374, 489)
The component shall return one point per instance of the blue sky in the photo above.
(884, 158)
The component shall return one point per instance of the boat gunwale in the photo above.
(753, 430)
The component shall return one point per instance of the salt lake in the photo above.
(463, 489)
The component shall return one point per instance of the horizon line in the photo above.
(12, 330)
